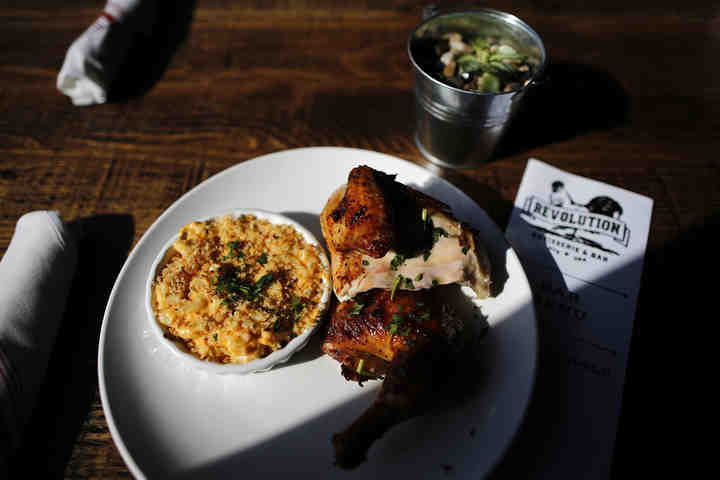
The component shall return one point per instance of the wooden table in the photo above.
(633, 101)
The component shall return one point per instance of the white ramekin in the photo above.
(262, 364)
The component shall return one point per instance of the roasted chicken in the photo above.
(383, 234)
(406, 340)
(368, 333)
(389, 246)
(410, 388)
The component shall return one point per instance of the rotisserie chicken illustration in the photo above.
(383, 234)
(390, 245)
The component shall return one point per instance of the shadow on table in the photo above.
(668, 354)
(151, 52)
(71, 380)
(575, 99)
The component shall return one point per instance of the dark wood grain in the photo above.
(635, 101)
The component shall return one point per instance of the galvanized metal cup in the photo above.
(458, 128)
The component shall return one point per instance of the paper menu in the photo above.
(582, 243)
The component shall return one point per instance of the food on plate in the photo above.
(369, 332)
(234, 289)
(383, 234)
(481, 63)
(410, 388)
(391, 248)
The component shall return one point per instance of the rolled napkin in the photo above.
(35, 274)
(94, 58)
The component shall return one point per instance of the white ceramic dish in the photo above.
(261, 364)
(172, 421)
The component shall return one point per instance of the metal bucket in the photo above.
(458, 128)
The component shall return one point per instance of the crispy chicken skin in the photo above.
(373, 221)
(366, 334)
(373, 213)
(361, 219)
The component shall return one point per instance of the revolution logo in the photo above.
(591, 223)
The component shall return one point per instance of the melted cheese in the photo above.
(197, 312)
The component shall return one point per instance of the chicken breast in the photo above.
(383, 234)
(361, 218)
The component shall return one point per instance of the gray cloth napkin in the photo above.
(35, 276)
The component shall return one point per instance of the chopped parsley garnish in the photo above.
(395, 286)
(233, 287)
(419, 277)
(409, 284)
(234, 251)
(356, 309)
(465, 249)
(264, 281)
(365, 262)
(215, 337)
(229, 282)
(402, 324)
(262, 259)
(396, 262)
(437, 233)
(434, 283)
(399, 325)
(360, 371)
(427, 221)
(396, 322)
(297, 304)
(418, 317)
(287, 316)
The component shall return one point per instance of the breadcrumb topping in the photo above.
(235, 289)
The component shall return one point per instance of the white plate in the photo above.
(172, 421)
